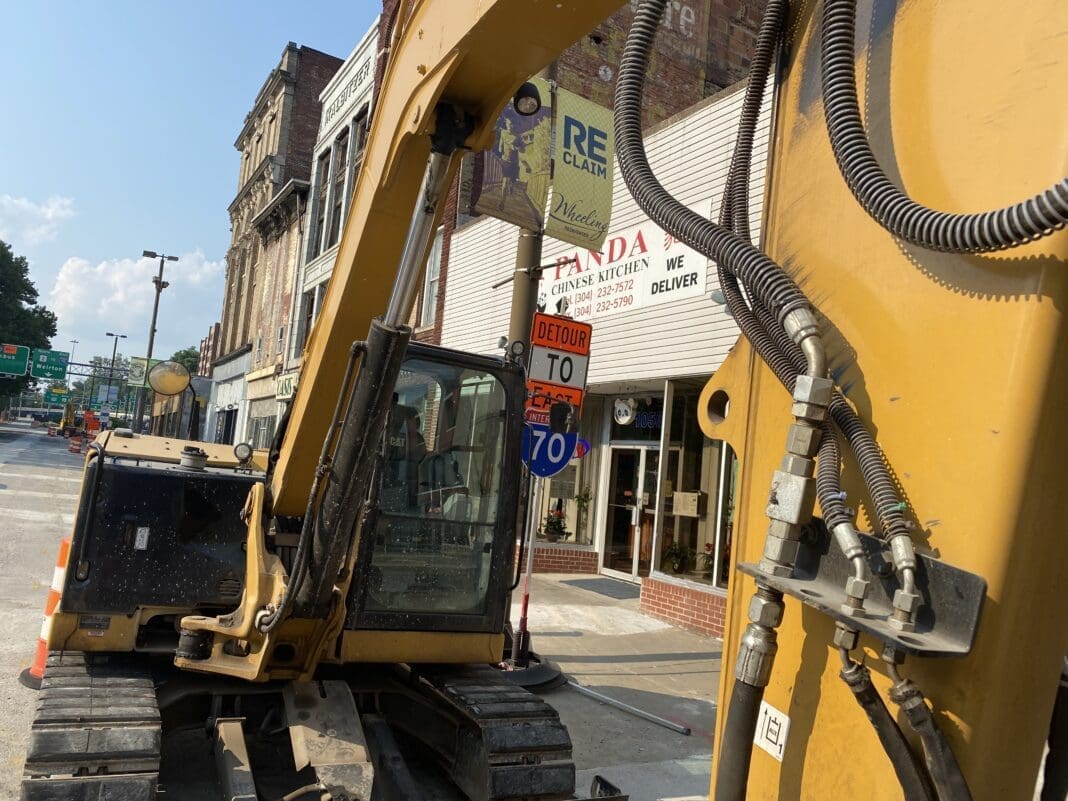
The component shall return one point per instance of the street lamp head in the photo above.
(149, 254)
(172, 258)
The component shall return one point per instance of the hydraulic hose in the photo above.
(762, 278)
(737, 749)
(894, 210)
(942, 763)
(914, 782)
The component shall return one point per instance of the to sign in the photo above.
(559, 358)
(56, 395)
(558, 367)
(546, 453)
(50, 364)
(14, 359)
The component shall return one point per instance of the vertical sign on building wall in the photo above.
(581, 203)
(515, 171)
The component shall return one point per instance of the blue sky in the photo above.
(119, 120)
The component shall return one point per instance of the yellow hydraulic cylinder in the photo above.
(958, 363)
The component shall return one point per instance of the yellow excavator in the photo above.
(329, 610)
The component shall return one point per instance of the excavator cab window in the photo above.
(441, 528)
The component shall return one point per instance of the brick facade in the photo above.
(550, 558)
(276, 143)
(691, 608)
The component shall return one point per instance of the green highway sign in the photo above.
(14, 359)
(49, 364)
(56, 395)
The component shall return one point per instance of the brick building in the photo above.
(209, 350)
(276, 144)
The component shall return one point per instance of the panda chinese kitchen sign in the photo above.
(635, 268)
(559, 360)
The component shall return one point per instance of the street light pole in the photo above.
(114, 350)
(160, 284)
(73, 344)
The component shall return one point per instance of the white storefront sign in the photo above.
(640, 266)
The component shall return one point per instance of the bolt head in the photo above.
(906, 601)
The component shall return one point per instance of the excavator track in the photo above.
(96, 732)
(495, 740)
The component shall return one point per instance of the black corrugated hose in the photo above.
(910, 773)
(763, 279)
(938, 230)
(762, 329)
(942, 763)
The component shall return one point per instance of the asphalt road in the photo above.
(39, 482)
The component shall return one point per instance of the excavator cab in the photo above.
(444, 529)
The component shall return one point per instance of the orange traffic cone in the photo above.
(31, 676)
(75, 445)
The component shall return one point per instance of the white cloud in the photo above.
(117, 295)
(27, 223)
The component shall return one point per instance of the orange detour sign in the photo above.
(559, 358)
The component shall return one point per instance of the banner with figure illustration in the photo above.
(514, 181)
(139, 367)
(581, 203)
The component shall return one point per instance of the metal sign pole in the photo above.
(521, 638)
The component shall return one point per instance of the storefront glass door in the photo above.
(628, 542)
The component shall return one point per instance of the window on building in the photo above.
(696, 498)
(322, 184)
(307, 316)
(341, 174)
(259, 348)
(260, 431)
(280, 342)
(359, 134)
(430, 282)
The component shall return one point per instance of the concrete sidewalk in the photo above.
(606, 644)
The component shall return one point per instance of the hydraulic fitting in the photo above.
(781, 551)
(791, 497)
(902, 552)
(905, 605)
(814, 390)
(798, 465)
(845, 637)
(766, 611)
(848, 540)
(803, 439)
(756, 655)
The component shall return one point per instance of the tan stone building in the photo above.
(276, 144)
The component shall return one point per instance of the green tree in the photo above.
(23, 321)
(190, 357)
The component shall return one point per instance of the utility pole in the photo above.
(160, 285)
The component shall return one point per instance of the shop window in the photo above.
(567, 513)
(341, 175)
(637, 419)
(697, 500)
